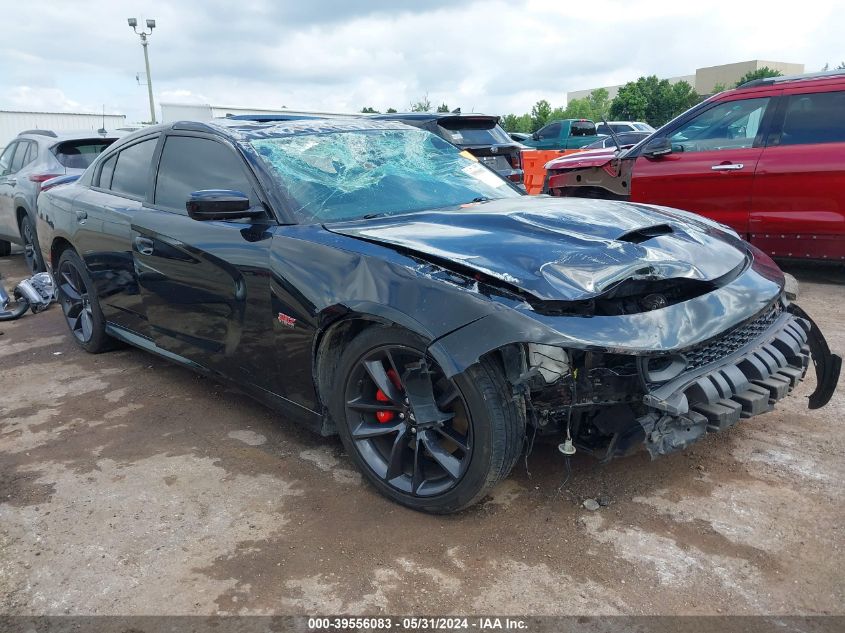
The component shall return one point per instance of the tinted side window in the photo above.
(31, 154)
(6, 159)
(106, 172)
(191, 164)
(727, 125)
(132, 171)
(550, 131)
(17, 161)
(814, 118)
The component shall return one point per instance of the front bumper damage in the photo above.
(742, 383)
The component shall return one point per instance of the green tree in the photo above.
(391, 110)
(760, 73)
(423, 105)
(517, 123)
(368, 110)
(719, 87)
(540, 114)
(653, 100)
(443, 108)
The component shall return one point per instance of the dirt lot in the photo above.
(130, 486)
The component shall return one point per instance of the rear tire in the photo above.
(5, 248)
(451, 452)
(31, 250)
(80, 304)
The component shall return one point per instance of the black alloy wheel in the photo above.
(80, 305)
(430, 442)
(31, 254)
(408, 421)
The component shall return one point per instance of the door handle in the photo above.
(11, 181)
(728, 167)
(144, 245)
(81, 216)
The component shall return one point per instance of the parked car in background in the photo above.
(563, 134)
(479, 134)
(371, 280)
(766, 159)
(623, 126)
(625, 139)
(32, 158)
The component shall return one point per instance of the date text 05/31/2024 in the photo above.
(416, 624)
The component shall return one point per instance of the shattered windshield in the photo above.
(344, 175)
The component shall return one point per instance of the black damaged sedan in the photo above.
(369, 279)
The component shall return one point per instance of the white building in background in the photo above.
(171, 112)
(13, 122)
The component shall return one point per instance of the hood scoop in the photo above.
(559, 249)
(639, 236)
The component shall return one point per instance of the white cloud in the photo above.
(335, 55)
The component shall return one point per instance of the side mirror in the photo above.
(218, 204)
(659, 146)
(535, 137)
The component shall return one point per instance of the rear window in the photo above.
(582, 128)
(814, 118)
(79, 154)
(474, 132)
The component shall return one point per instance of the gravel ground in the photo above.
(131, 486)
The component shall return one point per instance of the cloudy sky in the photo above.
(340, 55)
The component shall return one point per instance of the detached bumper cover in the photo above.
(744, 383)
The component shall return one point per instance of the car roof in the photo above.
(51, 136)
(245, 130)
(769, 81)
(430, 116)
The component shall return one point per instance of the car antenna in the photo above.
(102, 130)
(613, 134)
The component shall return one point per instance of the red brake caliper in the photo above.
(387, 416)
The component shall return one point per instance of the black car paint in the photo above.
(220, 296)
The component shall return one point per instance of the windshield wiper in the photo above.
(481, 199)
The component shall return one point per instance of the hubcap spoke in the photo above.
(461, 441)
(365, 431)
(417, 476)
(447, 461)
(394, 462)
(360, 404)
(87, 323)
(375, 369)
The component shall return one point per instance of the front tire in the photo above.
(80, 305)
(429, 442)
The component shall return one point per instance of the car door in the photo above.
(548, 137)
(102, 219)
(711, 167)
(798, 203)
(8, 221)
(206, 284)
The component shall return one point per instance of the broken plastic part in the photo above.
(552, 362)
(567, 448)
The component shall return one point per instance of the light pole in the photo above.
(151, 24)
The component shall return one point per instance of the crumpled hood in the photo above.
(587, 158)
(561, 249)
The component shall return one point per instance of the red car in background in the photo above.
(766, 159)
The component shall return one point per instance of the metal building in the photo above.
(13, 122)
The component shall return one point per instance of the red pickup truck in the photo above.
(766, 159)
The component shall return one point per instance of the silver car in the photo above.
(33, 157)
